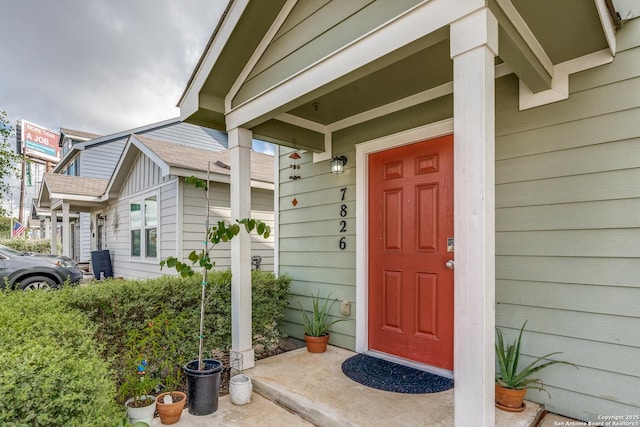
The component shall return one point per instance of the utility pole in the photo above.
(23, 189)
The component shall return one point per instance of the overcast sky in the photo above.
(100, 66)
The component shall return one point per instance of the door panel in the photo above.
(410, 219)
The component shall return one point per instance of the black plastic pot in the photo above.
(203, 387)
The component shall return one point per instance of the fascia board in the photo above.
(189, 102)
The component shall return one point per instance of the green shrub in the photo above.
(118, 307)
(24, 245)
(52, 371)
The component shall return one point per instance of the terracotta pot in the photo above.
(170, 413)
(316, 344)
(510, 398)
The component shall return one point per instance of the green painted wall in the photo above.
(310, 234)
(568, 233)
(567, 230)
(312, 31)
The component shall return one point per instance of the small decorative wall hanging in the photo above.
(116, 221)
(295, 173)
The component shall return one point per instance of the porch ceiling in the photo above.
(534, 37)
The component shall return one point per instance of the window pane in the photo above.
(150, 212)
(136, 219)
(135, 242)
(151, 236)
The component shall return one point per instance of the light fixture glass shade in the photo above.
(337, 164)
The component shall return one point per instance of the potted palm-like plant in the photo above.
(316, 325)
(203, 375)
(512, 384)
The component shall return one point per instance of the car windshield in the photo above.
(10, 251)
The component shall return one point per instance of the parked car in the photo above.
(35, 271)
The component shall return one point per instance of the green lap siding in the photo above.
(568, 233)
(314, 30)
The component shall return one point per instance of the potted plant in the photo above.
(511, 384)
(170, 404)
(203, 375)
(316, 326)
(141, 405)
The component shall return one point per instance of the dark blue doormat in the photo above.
(389, 376)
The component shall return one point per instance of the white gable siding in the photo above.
(144, 174)
(99, 161)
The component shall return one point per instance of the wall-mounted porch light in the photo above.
(337, 164)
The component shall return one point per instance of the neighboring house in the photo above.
(155, 215)
(68, 138)
(510, 126)
(97, 159)
(142, 211)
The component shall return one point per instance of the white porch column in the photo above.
(66, 231)
(474, 44)
(54, 234)
(241, 330)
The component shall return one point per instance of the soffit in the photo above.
(565, 29)
(418, 72)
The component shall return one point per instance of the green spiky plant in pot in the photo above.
(511, 384)
(316, 325)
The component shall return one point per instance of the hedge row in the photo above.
(24, 245)
(51, 371)
(49, 340)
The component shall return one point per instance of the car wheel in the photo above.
(37, 282)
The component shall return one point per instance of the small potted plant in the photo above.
(171, 403)
(163, 338)
(203, 375)
(141, 405)
(511, 384)
(316, 326)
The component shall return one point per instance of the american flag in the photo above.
(18, 229)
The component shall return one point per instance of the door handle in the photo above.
(450, 264)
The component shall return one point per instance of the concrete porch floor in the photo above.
(298, 388)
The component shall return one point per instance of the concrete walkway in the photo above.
(315, 392)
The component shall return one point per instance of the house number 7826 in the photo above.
(342, 242)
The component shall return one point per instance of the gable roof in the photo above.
(59, 186)
(78, 134)
(109, 138)
(183, 160)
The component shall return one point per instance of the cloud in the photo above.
(103, 65)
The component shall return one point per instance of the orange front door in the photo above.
(410, 220)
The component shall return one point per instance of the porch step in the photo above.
(314, 387)
(527, 418)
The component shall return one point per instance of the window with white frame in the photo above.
(144, 228)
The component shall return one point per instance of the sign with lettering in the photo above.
(39, 142)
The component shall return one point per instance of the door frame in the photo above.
(422, 133)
